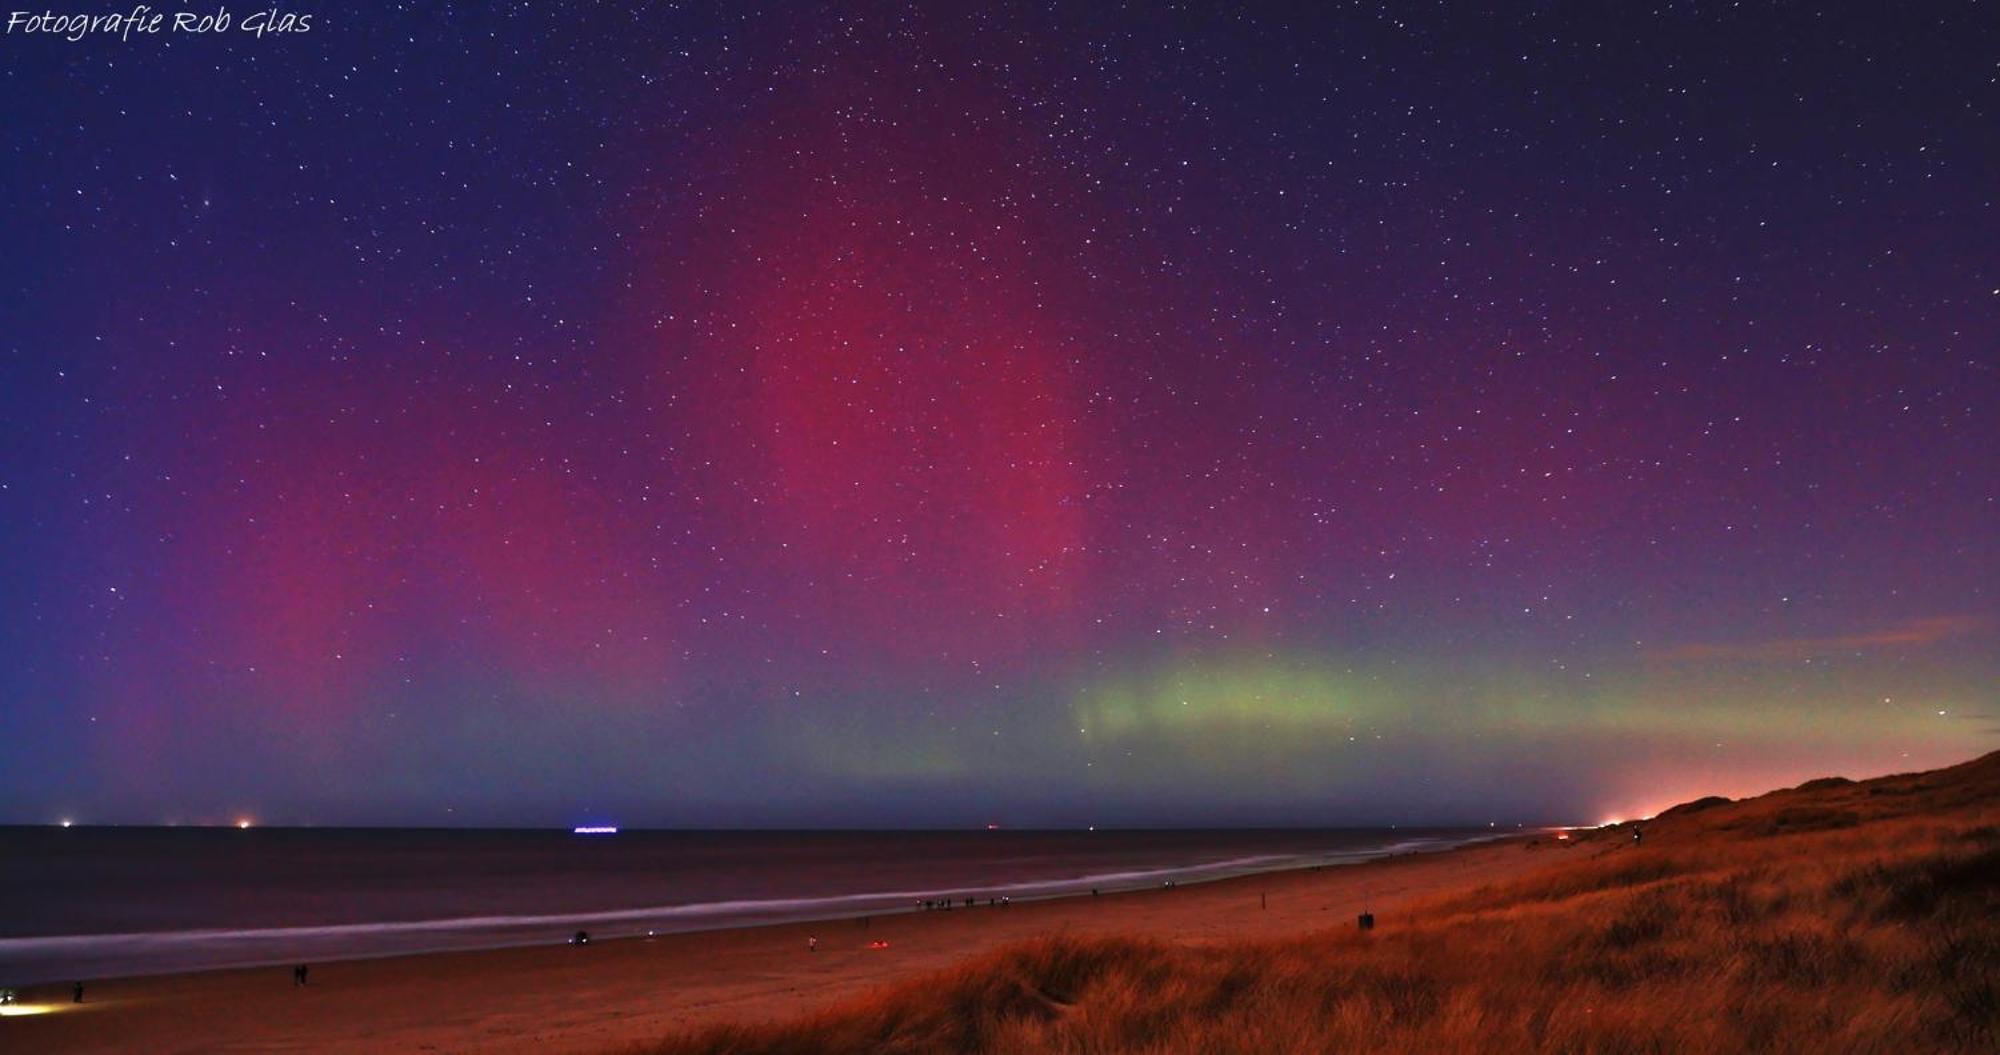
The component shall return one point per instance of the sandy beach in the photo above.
(612, 994)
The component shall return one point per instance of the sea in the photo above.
(84, 903)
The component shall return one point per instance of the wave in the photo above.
(26, 960)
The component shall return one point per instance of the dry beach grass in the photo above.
(1833, 917)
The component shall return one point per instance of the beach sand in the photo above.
(611, 994)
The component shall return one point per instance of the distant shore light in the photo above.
(595, 829)
(243, 823)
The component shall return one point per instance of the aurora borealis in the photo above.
(901, 415)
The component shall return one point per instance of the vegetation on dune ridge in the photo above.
(1834, 917)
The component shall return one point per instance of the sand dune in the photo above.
(1833, 917)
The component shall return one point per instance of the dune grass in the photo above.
(1835, 917)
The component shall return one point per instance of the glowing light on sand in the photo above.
(16, 1010)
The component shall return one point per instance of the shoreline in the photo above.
(493, 933)
(620, 991)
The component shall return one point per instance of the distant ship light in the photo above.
(595, 829)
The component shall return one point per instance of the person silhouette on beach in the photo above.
(812, 943)
(299, 975)
(76, 994)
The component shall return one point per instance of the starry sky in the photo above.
(884, 415)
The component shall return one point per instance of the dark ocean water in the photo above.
(104, 902)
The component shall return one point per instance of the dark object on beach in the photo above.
(76, 994)
(1093, 891)
(299, 975)
(1638, 836)
(581, 937)
(812, 943)
(1367, 921)
(1262, 901)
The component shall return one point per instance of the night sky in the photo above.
(1068, 415)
